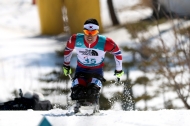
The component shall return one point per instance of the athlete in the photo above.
(90, 48)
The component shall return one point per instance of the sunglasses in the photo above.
(93, 33)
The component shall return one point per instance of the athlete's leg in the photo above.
(94, 88)
(78, 89)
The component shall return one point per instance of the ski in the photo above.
(84, 109)
(84, 114)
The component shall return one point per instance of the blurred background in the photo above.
(152, 34)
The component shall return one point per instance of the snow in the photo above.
(57, 117)
(123, 11)
(24, 56)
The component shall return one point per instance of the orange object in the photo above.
(94, 32)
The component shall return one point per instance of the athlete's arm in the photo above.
(69, 49)
(112, 47)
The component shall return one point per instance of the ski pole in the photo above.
(118, 79)
(70, 76)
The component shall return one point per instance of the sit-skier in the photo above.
(90, 48)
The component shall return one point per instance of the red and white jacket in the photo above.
(91, 55)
